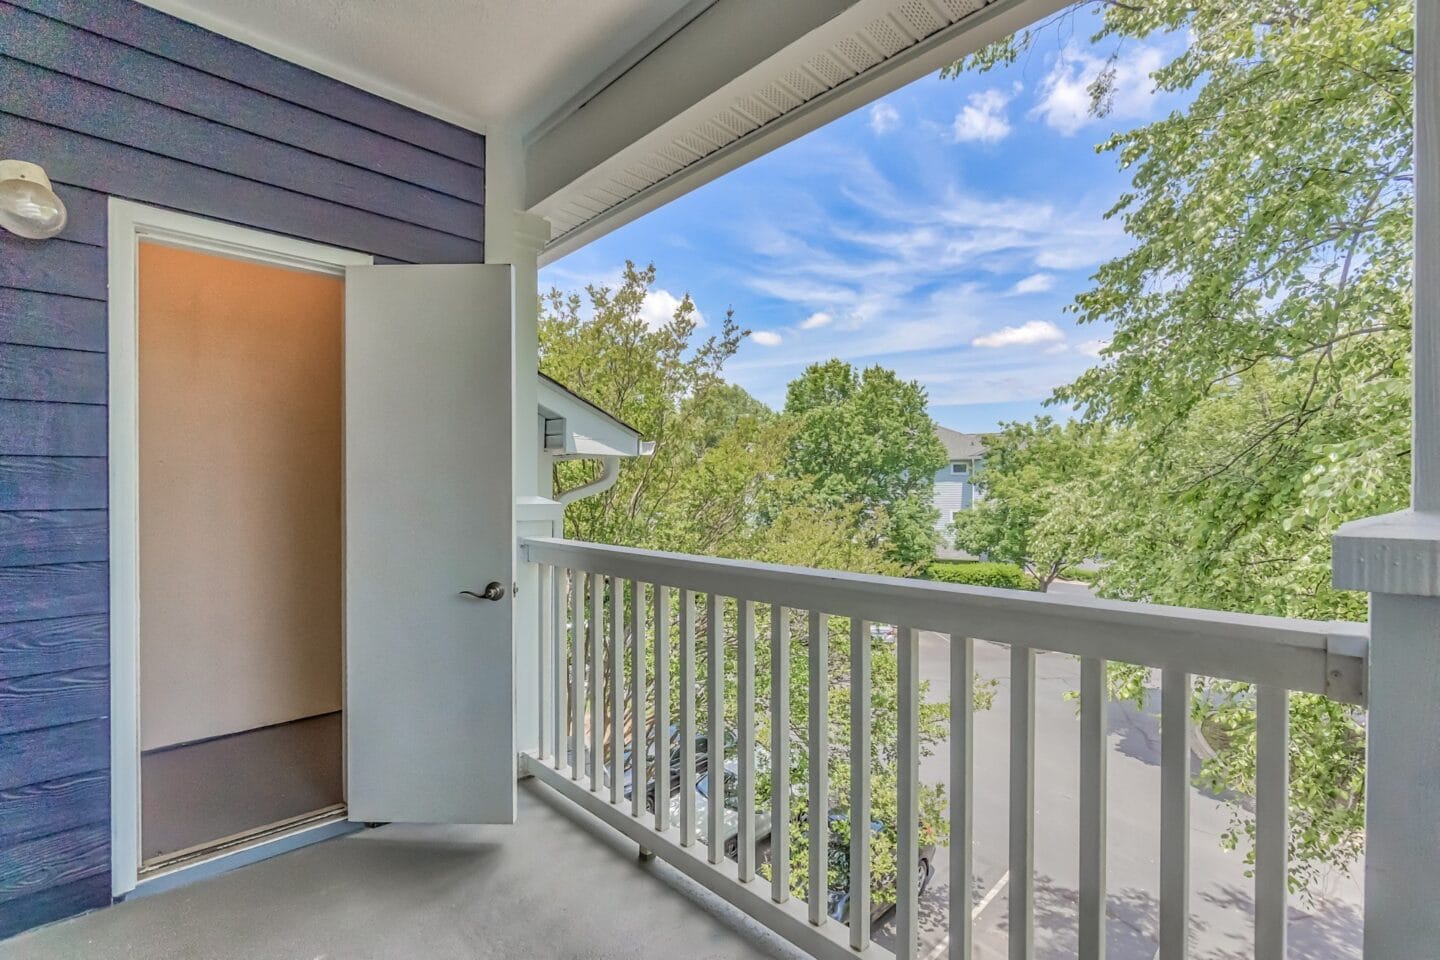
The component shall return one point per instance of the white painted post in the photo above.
(1396, 558)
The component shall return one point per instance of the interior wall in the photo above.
(240, 494)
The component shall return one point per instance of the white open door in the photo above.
(428, 668)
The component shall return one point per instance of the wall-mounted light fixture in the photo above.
(28, 205)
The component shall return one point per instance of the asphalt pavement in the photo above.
(1222, 897)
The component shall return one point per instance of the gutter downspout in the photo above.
(609, 473)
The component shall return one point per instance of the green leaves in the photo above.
(1256, 388)
(865, 440)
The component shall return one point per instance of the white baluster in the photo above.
(1093, 767)
(779, 753)
(819, 745)
(962, 794)
(907, 803)
(688, 727)
(1022, 803)
(637, 699)
(577, 673)
(662, 707)
(745, 736)
(615, 688)
(1272, 820)
(715, 728)
(1174, 815)
(859, 783)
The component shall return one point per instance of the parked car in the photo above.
(839, 898)
(884, 631)
(702, 760)
(731, 815)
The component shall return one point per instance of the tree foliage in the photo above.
(1257, 380)
(865, 439)
(731, 478)
(1037, 504)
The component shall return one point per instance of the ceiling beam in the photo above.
(724, 42)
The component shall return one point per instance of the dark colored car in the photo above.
(839, 899)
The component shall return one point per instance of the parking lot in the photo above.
(1222, 895)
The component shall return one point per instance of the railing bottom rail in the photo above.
(829, 940)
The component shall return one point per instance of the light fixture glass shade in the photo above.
(28, 206)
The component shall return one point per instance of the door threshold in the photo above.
(240, 849)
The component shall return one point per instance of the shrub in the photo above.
(980, 574)
(1078, 573)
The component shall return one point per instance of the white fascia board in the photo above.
(587, 430)
(600, 164)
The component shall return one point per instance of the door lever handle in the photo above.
(493, 591)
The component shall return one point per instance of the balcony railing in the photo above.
(585, 738)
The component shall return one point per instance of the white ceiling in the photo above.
(478, 63)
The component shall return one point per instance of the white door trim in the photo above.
(129, 223)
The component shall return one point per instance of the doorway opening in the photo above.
(240, 508)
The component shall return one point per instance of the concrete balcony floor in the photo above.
(555, 884)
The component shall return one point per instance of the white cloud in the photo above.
(883, 119)
(1036, 331)
(816, 320)
(659, 309)
(1035, 283)
(1092, 348)
(766, 338)
(983, 117)
(1064, 102)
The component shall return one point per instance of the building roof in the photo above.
(575, 427)
(962, 446)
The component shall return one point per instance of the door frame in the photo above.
(130, 223)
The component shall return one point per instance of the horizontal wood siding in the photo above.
(116, 99)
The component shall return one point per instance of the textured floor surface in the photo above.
(552, 885)
(202, 792)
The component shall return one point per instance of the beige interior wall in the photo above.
(240, 494)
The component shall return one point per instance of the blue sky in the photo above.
(939, 232)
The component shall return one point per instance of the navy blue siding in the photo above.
(117, 99)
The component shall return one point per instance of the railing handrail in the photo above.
(1326, 657)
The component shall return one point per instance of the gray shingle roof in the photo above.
(962, 446)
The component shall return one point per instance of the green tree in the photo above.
(1037, 505)
(718, 484)
(1260, 358)
(866, 439)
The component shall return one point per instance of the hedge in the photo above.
(980, 574)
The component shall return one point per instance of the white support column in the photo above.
(1396, 558)
(516, 238)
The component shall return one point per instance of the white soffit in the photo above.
(477, 63)
(870, 49)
